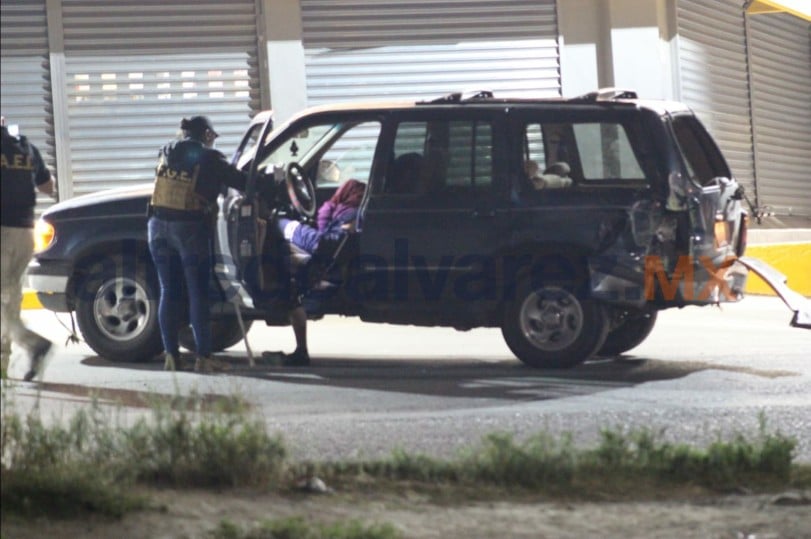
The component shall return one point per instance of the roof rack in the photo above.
(606, 94)
(458, 97)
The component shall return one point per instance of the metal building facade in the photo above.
(385, 49)
(98, 86)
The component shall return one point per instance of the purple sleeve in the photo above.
(325, 214)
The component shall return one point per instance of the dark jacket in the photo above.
(22, 171)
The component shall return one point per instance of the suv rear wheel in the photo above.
(550, 327)
(634, 327)
(117, 310)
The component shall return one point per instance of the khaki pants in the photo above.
(17, 247)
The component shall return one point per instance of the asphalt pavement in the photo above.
(703, 373)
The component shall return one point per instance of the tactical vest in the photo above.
(176, 177)
(17, 163)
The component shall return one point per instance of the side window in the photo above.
(606, 153)
(534, 148)
(440, 155)
(559, 155)
(701, 156)
(470, 158)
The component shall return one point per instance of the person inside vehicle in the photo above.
(336, 218)
(23, 174)
(189, 176)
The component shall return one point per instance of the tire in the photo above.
(225, 333)
(117, 310)
(550, 327)
(634, 328)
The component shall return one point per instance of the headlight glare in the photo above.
(43, 235)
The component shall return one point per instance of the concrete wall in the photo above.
(622, 43)
(285, 57)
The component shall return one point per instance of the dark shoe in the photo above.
(37, 360)
(280, 359)
(206, 365)
(299, 358)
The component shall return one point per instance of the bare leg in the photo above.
(298, 319)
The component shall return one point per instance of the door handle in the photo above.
(484, 214)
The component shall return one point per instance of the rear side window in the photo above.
(441, 155)
(700, 154)
(582, 152)
(605, 152)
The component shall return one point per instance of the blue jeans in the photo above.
(305, 237)
(181, 251)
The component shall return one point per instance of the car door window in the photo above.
(435, 156)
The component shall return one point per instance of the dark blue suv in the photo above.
(568, 223)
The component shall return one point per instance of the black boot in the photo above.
(299, 358)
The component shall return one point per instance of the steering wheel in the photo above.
(300, 190)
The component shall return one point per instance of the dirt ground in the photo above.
(193, 514)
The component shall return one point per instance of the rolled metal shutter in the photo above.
(25, 75)
(780, 55)
(135, 68)
(714, 81)
(24, 70)
(385, 49)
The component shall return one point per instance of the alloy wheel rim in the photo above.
(551, 319)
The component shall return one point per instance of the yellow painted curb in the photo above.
(30, 300)
(791, 259)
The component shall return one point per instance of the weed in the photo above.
(298, 528)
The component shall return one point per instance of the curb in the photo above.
(30, 300)
(792, 259)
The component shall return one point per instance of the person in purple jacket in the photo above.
(335, 217)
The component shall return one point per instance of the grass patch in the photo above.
(618, 467)
(93, 462)
(298, 528)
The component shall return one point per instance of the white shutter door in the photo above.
(135, 68)
(385, 49)
(780, 52)
(24, 76)
(712, 66)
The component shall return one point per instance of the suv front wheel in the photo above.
(117, 310)
(550, 327)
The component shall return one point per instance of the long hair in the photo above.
(349, 194)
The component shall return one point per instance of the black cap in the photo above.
(197, 125)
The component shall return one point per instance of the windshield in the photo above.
(299, 147)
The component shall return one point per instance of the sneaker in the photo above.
(205, 365)
(37, 360)
(175, 363)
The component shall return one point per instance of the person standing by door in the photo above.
(189, 176)
(23, 174)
